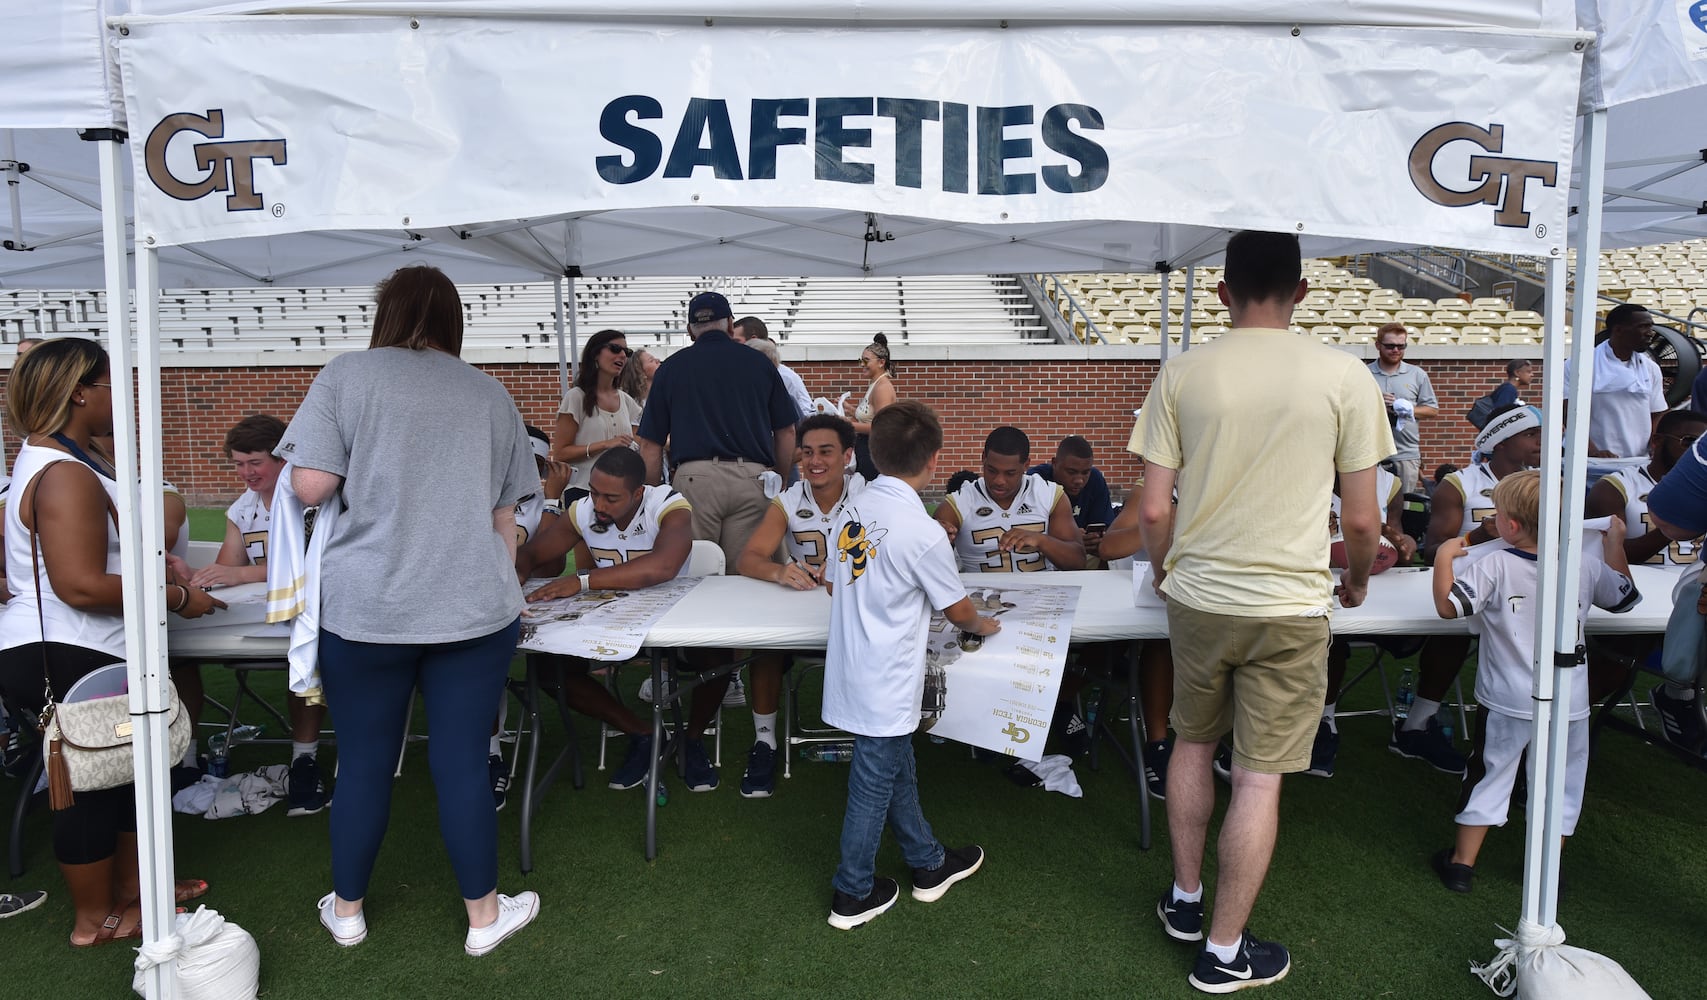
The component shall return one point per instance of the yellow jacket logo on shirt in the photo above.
(855, 543)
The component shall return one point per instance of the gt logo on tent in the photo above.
(228, 166)
(1498, 180)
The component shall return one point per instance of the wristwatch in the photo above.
(586, 582)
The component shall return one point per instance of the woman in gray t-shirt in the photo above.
(418, 586)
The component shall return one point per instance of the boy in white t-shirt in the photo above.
(890, 565)
(1501, 589)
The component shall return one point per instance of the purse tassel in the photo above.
(59, 794)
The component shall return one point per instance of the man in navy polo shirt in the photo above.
(727, 418)
(1085, 487)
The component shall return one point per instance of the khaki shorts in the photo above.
(1262, 679)
(728, 502)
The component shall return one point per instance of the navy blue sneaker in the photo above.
(498, 773)
(1259, 963)
(1429, 744)
(1156, 754)
(1182, 920)
(760, 779)
(1324, 751)
(635, 765)
(701, 776)
(307, 790)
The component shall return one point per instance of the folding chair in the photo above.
(792, 736)
(706, 560)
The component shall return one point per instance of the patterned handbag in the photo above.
(87, 744)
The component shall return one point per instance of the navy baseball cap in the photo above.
(708, 307)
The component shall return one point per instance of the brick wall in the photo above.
(1047, 399)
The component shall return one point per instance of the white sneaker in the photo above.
(736, 696)
(347, 931)
(514, 913)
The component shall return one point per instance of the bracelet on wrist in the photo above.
(183, 602)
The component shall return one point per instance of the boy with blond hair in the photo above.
(889, 564)
(1501, 588)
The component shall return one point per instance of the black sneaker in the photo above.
(1681, 719)
(635, 765)
(760, 779)
(1454, 876)
(499, 773)
(958, 863)
(307, 791)
(1156, 754)
(1324, 750)
(1182, 920)
(1222, 765)
(1259, 963)
(14, 903)
(846, 912)
(1075, 735)
(1429, 744)
(701, 776)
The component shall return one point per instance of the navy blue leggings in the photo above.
(368, 688)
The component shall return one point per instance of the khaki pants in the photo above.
(1262, 679)
(728, 503)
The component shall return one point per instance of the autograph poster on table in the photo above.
(998, 692)
(601, 624)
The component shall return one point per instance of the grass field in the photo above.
(735, 904)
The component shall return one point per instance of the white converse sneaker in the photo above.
(514, 913)
(347, 931)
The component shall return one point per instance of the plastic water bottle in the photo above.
(663, 792)
(218, 764)
(1091, 701)
(247, 734)
(838, 753)
(1402, 700)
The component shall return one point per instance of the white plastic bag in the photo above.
(1536, 965)
(217, 960)
(823, 405)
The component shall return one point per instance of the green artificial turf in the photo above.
(735, 904)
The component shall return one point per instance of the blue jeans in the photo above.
(883, 785)
(369, 687)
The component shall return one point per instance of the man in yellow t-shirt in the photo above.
(1250, 430)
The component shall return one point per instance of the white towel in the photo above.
(293, 581)
(1056, 771)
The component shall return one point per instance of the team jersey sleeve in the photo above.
(1617, 483)
(1474, 587)
(1613, 590)
(673, 502)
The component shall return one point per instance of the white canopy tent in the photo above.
(1291, 117)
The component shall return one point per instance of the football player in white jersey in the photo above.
(1625, 493)
(1008, 520)
(243, 559)
(1463, 506)
(625, 536)
(799, 520)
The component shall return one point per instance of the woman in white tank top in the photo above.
(880, 393)
(59, 397)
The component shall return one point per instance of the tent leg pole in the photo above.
(574, 337)
(142, 542)
(1563, 481)
(1165, 330)
(562, 348)
(1185, 312)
